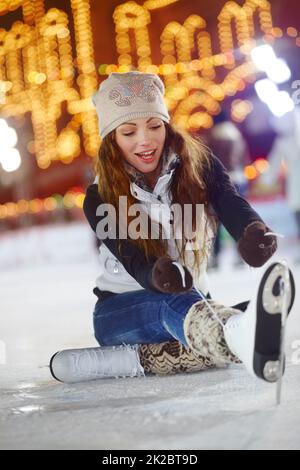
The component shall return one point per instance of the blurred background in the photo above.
(232, 75)
(230, 71)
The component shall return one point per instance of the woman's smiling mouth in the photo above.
(148, 156)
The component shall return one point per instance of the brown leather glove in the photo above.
(166, 277)
(254, 247)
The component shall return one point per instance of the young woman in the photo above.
(153, 288)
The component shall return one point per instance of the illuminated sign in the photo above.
(37, 69)
(37, 74)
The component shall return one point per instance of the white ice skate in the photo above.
(256, 336)
(78, 365)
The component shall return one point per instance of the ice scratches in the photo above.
(88, 403)
(78, 397)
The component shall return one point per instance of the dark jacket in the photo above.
(231, 209)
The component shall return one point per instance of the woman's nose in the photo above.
(144, 138)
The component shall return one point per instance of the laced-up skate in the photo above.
(77, 365)
(255, 337)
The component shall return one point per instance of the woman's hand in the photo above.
(170, 277)
(255, 246)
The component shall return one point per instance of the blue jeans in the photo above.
(142, 317)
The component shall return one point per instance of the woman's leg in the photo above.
(142, 317)
(155, 321)
(172, 357)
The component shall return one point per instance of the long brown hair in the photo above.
(186, 187)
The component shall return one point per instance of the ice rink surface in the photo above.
(46, 304)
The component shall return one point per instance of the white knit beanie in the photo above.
(126, 96)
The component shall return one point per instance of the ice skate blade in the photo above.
(268, 331)
(51, 368)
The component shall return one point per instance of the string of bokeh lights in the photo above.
(37, 73)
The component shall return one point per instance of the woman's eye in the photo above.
(131, 133)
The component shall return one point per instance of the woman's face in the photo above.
(141, 142)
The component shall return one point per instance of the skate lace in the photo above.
(210, 308)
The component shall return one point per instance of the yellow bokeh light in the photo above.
(79, 200)
(35, 206)
(11, 208)
(262, 165)
(277, 32)
(250, 172)
(69, 200)
(50, 69)
(22, 206)
(50, 204)
(68, 143)
(293, 32)
(3, 212)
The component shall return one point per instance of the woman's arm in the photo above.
(232, 210)
(133, 259)
(238, 217)
(157, 274)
